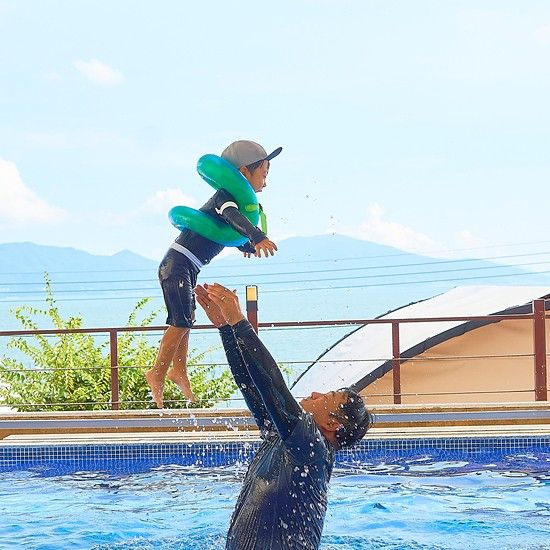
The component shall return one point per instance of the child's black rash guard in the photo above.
(221, 206)
(283, 499)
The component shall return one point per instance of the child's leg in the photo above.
(178, 372)
(168, 347)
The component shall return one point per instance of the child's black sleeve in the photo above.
(227, 208)
(247, 247)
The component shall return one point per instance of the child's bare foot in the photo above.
(156, 383)
(182, 382)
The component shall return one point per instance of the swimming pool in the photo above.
(482, 493)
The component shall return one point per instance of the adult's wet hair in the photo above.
(354, 417)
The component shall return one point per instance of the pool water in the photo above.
(422, 499)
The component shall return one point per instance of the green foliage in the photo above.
(72, 371)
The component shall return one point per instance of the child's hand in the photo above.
(268, 247)
(213, 312)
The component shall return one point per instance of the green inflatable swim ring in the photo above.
(220, 174)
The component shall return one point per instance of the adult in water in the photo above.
(283, 500)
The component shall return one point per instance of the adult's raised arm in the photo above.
(235, 358)
(284, 411)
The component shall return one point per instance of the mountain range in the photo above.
(321, 277)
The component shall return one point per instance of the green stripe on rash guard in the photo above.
(263, 221)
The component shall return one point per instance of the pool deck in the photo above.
(252, 435)
(229, 425)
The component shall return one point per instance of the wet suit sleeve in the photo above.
(227, 208)
(282, 408)
(247, 247)
(242, 378)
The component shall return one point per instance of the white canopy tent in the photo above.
(357, 358)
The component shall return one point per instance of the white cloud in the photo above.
(20, 204)
(99, 72)
(376, 228)
(382, 231)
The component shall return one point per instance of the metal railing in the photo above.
(537, 316)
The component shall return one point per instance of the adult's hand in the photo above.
(213, 312)
(227, 301)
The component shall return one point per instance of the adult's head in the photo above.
(341, 416)
(252, 160)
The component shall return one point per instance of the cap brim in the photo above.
(274, 153)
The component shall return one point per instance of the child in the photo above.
(190, 252)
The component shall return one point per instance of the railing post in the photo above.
(396, 363)
(113, 349)
(252, 306)
(539, 345)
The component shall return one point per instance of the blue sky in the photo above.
(419, 124)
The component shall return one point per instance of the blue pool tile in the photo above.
(222, 454)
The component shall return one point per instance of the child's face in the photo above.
(257, 179)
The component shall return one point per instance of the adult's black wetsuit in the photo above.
(283, 500)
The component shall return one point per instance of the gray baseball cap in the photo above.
(243, 152)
